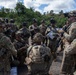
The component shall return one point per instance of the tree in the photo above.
(51, 12)
(20, 8)
(61, 12)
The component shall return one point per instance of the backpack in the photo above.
(37, 53)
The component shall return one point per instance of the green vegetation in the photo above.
(20, 13)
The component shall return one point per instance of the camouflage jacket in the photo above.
(72, 32)
(10, 50)
(71, 49)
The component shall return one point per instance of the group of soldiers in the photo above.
(36, 46)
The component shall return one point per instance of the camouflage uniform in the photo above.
(6, 51)
(25, 34)
(10, 29)
(51, 40)
(34, 28)
(21, 47)
(69, 54)
(13, 28)
(43, 28)
(38, 58)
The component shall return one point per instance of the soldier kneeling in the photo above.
(38, 57)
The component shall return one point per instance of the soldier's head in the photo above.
(52, 21)
(6, 20)
(72, 16)
(12, 20)
(18, 35)
(34, 21)
(38, 38)
(24, 24)
(43, 22)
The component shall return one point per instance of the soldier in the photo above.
(6, 20)
(6, 51)
(25, 33)
(13, 29)
(38, 57)
(51, 37)
(65, 27)
(34, 28)
(21, 47)
(68, 62)
(71, 19)
(43, 27)
(7, 29)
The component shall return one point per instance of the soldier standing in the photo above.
(6, 51)
(25, 33)
(38, 57)
(68, 62)
(43, 27)
(21, 47)
(51, 37)
(34, 28)
(13, 29)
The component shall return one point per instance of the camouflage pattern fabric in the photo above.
(42, 29)
(72, 32)
(37, 63)
(25, 34)
(4, 59)
(68, 62)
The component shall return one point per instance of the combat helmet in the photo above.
(43, 21)
(24, 24)
(52, 21)
(12, 20)
(38, 37)
(6, 20)
(72, 13)
(34, 20)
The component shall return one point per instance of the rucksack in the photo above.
(38, 53)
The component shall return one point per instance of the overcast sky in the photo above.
(43, 5)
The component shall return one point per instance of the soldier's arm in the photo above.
(71, 35)
(31, 28)
(71, 48)
(67, 36)
(8, 45)
(22, 49)
(47, 30)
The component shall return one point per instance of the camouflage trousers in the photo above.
(68, 64)
(2, 72)
(4, 67)
(52, 44)
(39, 68)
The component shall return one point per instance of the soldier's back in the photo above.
(7, 49)
(40, 58)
